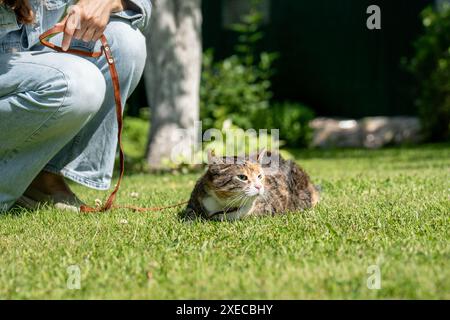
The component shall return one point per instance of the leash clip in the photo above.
(107, 51)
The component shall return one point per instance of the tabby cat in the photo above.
(235, 187)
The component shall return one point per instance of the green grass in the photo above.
(388, 208)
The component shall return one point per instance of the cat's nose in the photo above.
(258, 187)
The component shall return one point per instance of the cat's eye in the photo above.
(242, 177)
(260, 177)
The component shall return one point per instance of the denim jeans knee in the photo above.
(86, 87)
(127, 43)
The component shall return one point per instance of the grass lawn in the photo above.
(388, 208)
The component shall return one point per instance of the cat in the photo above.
(235, 187)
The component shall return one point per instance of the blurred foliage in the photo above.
(134, 140)
(431, 68)
(238, 88)
(237, 141)
(230, 140)
(233, 140)
(233, 90)
(235, 96)
(292, 119)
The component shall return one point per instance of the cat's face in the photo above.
(229, 180)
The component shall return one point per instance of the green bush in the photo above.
(233, 90)
(135, 135)
(431, 68)
(292, 119)
(233, 141)
(238, 87)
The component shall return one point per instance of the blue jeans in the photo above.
(57, 111)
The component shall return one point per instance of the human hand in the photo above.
(88, 19)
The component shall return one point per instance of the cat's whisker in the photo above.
(234, 201)
(264, 197)
(244, 204)
(244, 200)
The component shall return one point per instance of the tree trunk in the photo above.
(172, 77)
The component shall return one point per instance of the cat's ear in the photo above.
(212, 159)
(211, 155)
(261, 156)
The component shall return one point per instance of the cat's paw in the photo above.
(188, 215)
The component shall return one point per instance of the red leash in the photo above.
(105, 50)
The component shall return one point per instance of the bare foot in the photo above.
(51, 188)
